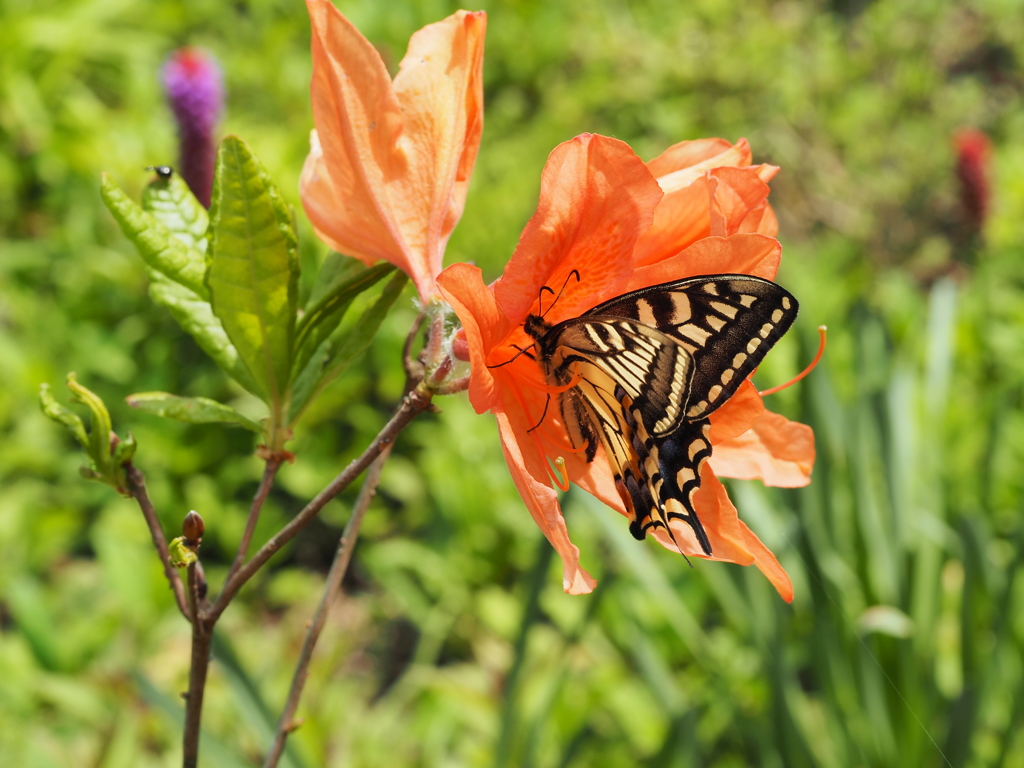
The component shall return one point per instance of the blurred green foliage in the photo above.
(454, 644)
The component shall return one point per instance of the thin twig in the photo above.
(269, 473)
(137, 489)
(413, 365)
(202, 635)
(342, 558)
(414, 403)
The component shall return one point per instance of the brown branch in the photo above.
(137, 489)
(342, 558)
(416, 400)
(202, 637)
(269, 473)
(413, 404)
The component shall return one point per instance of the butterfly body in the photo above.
(641, 374)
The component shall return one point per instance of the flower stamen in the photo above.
(560, 477)
(821, 350)
(559, 474)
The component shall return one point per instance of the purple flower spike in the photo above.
(195, 89)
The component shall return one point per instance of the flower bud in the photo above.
(193, 526)
(195, 90)
(460, 346)
(972, 153)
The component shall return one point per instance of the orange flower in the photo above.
(601, 213)
(390, 162)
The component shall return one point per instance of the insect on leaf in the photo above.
(157, 244)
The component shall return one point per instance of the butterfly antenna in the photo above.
(540, 299)
(560, 292)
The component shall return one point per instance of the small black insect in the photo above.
(163, 171)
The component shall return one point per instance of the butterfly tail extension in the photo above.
(642, 479)
(681, 456)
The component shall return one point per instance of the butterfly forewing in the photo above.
(727, 323)
(655, 477)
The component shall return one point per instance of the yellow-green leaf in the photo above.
(253, 269)
(194, 410)
(158, 245)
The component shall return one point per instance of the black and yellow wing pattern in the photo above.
(650, 367)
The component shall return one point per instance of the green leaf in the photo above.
(326, 366)
(100, 429)
(194, 410)
(60, 414)
(107, 453)
(341, 279)
(361, 334)
(158, 245)
(197, 318)
(253, 270)
(172, 203)
(179, 555)
(124, 450)
(307, 383)
(885, 620)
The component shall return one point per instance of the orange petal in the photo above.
(681, 163)
(344, 196)
(440, 89)
(595, 477)
(320, 199)
(526, 466)
(731, 540)
(687, 211)
(761, 220)
(596, 198)
(389, 179)
(486, 327)
(737, 415)
(749, 254)
(768, 564)
(775, 450)
(680, 219)
(735, 192)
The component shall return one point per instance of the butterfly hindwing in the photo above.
(655, 477)
(653, 369)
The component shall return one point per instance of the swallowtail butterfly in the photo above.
(650, 367)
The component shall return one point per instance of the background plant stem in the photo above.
(269, 473)
(342, 558)
(414, 403)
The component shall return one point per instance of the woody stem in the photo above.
(342, 557)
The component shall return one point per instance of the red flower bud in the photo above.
(192, 527)
(972, 153)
